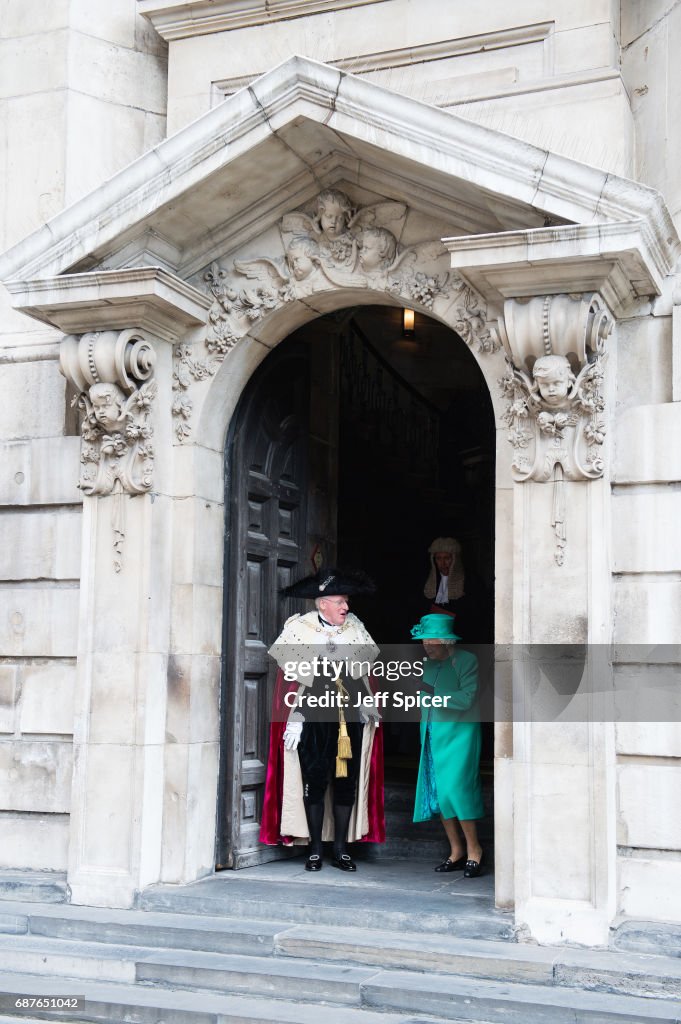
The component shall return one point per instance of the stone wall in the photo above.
(646, 587)
(651, 37)
(546, 71)
(84, 86)
(40, 524)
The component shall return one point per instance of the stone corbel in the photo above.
(559, 287)
(554, 391)
(112, 372)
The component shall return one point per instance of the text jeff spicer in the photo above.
(398, 699)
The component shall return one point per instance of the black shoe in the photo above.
(344, 862)
(313, 862)
(473, 868)
(452, 865)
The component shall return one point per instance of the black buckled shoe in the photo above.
(452, 865)
(473, 868)
(344, 862)
(313, 862)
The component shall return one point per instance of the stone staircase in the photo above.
(274, 946)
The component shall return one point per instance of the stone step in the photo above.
(397, 822)
(603, 971)
(106, 1003)
(403, 849)
(398, 797)
(143, 928)
(65, 958)
(274, 977)
(250, 995)
(310, 980)
(349, 904)
(19, 1020)
(509, 1002)
(646, 936)
(152, 932)
(33, 886)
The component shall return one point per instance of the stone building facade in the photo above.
(164, 228)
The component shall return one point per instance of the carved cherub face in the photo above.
(378, 248)
(107, 405)
(334, 213)
(300, 256)
(554, 377)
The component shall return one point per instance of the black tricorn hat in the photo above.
(329, 583)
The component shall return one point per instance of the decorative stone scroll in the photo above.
(113, 371)
(331, 245)
(554, 391)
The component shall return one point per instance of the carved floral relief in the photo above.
(112, 371)
(331, 245)
(555, 412)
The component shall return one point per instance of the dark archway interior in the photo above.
(352, 445)
(402, 444)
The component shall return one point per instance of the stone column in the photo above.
(124, 383)
(563, 781)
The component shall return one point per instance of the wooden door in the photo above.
(266, 470)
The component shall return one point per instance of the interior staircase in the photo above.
(392, 944)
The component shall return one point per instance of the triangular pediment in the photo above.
(269, 149)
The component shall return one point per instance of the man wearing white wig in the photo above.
(445, 581)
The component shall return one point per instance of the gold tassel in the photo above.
(344, 750)
(344, 746)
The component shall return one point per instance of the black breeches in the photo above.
(317, 753)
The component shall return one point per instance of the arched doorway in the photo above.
(354, 445)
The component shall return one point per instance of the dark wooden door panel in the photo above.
(266, 464)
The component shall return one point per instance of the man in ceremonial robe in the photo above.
(325, 772)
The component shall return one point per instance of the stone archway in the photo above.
(259, 301)
(146, 736)
(197, 394)
(271, 535)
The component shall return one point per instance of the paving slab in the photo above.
(411, 876)
(433, 908)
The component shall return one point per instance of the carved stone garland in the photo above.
(112, 371)
(554, 392)
(332, 245)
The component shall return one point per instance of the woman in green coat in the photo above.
(449, 770)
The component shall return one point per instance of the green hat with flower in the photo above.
(435, 627)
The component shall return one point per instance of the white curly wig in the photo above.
(456, 577)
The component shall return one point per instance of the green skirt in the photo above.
(449, 772)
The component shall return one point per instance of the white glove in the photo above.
(292, 734)
(370, 715)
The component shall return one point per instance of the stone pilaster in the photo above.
(117, 355)
(124, 383)
(556, 418)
